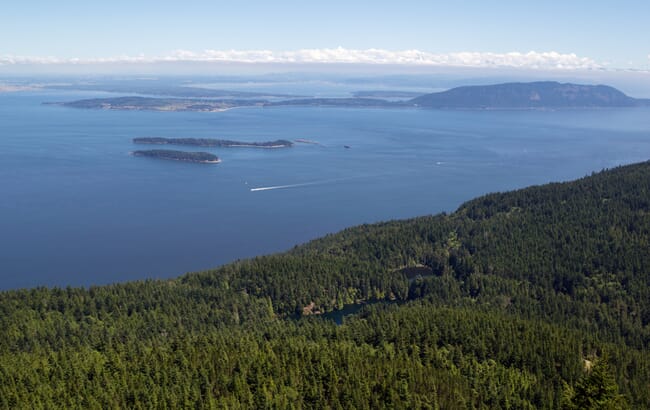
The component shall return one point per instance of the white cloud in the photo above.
(532, 59)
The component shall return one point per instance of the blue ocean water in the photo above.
(77, 209)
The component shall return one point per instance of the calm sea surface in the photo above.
(77, 209)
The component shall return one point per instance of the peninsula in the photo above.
(212, 142)
(198, 157)
(160, 104)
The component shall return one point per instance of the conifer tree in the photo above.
(596, 390)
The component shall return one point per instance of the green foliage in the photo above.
(177, 155)
(517, 290)
(595, 391)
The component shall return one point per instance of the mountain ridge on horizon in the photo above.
(536, 94)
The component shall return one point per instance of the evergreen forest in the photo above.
(533, 299)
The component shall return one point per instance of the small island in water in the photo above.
(199, 157)
(212, 142)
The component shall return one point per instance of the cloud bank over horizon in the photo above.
(529, 60)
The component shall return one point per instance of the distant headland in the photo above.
(541, 94)
(212, 142)
(197, 157)
(160, 104)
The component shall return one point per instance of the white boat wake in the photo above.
(268, 188)
(325, 181)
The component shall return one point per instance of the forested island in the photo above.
(506, 96)
(199, 157)
(212, 142)
(533, 299)
(540, 94)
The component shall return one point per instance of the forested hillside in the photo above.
(537, 298)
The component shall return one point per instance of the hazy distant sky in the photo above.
(615, 34)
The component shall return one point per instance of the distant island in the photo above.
(507, 96)
(541, 94)
(212, 142)
(386, 94)
(164, 90)
(159, 104)
(339, 102)
(198, 157)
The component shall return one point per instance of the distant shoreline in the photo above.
(506, 96)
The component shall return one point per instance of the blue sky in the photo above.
(610, 33)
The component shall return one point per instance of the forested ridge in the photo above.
(528, 95)
(537, 298)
